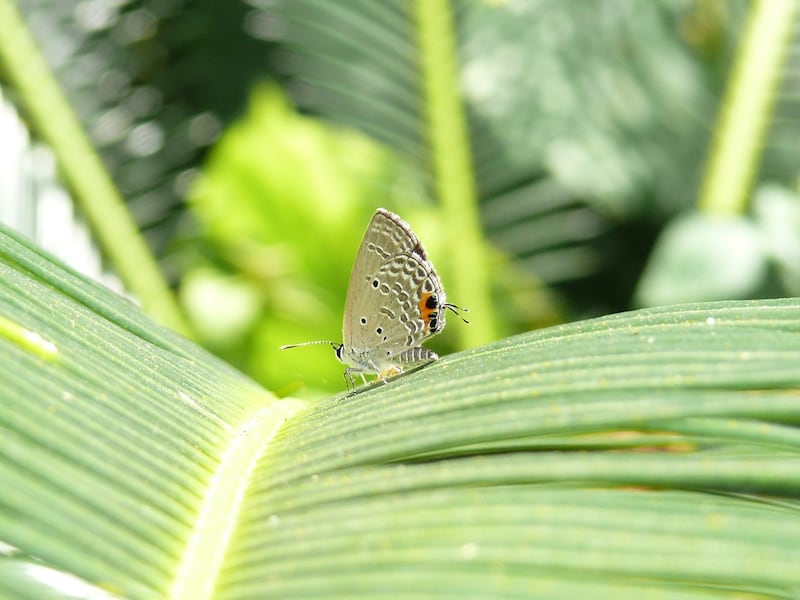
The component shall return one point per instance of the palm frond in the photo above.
(652, 452)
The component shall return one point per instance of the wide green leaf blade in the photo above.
(111, 442)
(650, 454)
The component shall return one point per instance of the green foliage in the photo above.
(646, 454)
(712, 257)
(587, 126)
(283, 204)
(581, 116)
(723, 252)
(706, 258)
(23, 64)
(649, 454)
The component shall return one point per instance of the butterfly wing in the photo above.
(386, 235)
(394, 298)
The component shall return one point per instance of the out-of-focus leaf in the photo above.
(283, 204)
(81, 168)
(35, 203)
(704, 257)
(284, 201)
(153, 85)
(572, 109)
(777, 213)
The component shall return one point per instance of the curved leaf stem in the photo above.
(747, 107)
(81, 168)
(453, 173)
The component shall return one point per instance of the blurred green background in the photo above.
(252, 141)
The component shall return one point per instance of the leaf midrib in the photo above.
(205, 551)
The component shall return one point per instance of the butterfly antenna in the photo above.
(314, 343)
(457, 310)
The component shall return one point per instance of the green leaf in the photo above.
(777, 214)
(22, 62)
(577, 119)
(648, 454)
(705, 257)
(281, 240)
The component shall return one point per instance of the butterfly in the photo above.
(395, 301)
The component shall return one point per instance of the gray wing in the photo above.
(387, 235)
(393, 310)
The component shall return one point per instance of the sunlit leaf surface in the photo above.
(650, 454)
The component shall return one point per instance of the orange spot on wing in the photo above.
(425, 312)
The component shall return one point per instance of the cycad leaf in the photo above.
(569, 106)
(650, 454)
(112, 442)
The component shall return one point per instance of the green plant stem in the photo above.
(747, 107)
(81, 168)
(452, 166)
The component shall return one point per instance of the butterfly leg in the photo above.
(348, 378)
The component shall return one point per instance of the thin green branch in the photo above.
(83, 171)
(747, 108)
(452, 167)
